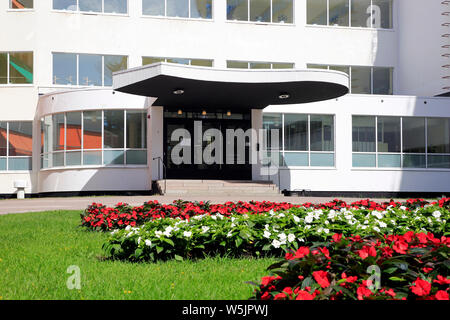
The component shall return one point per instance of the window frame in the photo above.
(170, 58)
(165, 16)
(8, 72)
(102, 12)
(10, 8)
(7, 156)
(263, 22)
(261, 62)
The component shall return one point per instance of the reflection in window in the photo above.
(16, 145)
(154, 7)
(322, 132)
(382, 14)
(100, 6)
(270, 11)
(317, 12)
(339, 12)
(136, 130)
(65, 68)
(90, 5)
(388, 134)
(260, 10)
(3, 138)
(186, 61)
(414, 135)
(21, 4)
(58, 132)
(177, 8)
(282, 11)
(115, 6)
(258, 65)
(113, 129)
(3, 68)
(92, 130)
(73, 129)
(438, 135)
(296, 132)
(272, 122)
(114, 64)
(363, 134)
(19, 65)
(361, 80)
(65, 5)
(195, 9)
(360, 13)
(201, 9)
(382, 80)
(90, 69)
(237, 10)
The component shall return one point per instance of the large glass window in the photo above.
(270, 11)
(438, 135)
(317, 12)
(295, 132)
(114, 129)
(154, 7)
(186, 61)
(201, 9)
(361, 80)
(97, 6)
(86, 69)
(363, 134)
(382, 80)
(178, 8)
(16, 67)
(389, 134)
(21, 4)
(338, 13)
(414, 135)
(360, 13)
(16, 145)
(194, 9)
(258, 65)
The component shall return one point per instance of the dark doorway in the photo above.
(218, 119)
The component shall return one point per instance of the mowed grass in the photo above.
(36, 250)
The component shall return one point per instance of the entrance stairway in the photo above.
(216, 187)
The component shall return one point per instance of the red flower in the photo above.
(322, 278)
(349, 279)
(400, 247)
(427, 270)
(442, 280)
(325, 251)
(441, 295)
(289, 256)
(389, 292)
(303, 295)
(280, 296)
(421, 287)
(301, 252)
(265, 296)
(337, 237)
(367, 251)
(363, 292)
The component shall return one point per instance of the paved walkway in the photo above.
(80, 203)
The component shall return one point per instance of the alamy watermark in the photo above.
(74, 281)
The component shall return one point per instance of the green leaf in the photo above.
(238, 242)
(266, 247)
(169, 241)
(397, 279)
(178, 258)
(391, 270)
(159, 249)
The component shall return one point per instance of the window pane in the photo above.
(137, 157)
(65, 68)
(260, 65)
(136, 129)
(21, 4)
(322, 133)
(114, 64)
(47, 127)
(2, 164)
(57, 159)
(92, 126)
(65, 5)
(113, 157)
(201, 9)
(3, 138)
(361, 80)
(382, 14)
(73, 128)
(361, 13)
(90, 5)
(364, 160)
(296, 159)
(178, 8)
(178, 60)
(438, 135)
(363, 134)
(317, 66)
(296, 132)
(90, 70)
(92, 157)
(414, 161)
(150, 60)
(272, 122)
(414, 135)
(339, 10)
(73, 158)
(20, 164)
(438, 161)
(21, 67)
(317, 12)
(322, 159)
(382, 80)
(115, 6)
(20, 138)
(201, 62)
(237, 65)
(3, 68)
(282, 65)
(114, 129)
(58, 132)
(389, 161)
(283, 11)
(389, 134)
(260, 10)
(237, 10)
(153, 7)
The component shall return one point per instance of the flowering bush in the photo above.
(413, 266)
(101, 218)
(266, 233)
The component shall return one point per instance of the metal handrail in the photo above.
(164, 172)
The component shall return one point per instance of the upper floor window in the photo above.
(353, 13)
(21, 4)
(365, 80)
(270, 11)
(100, 6)
(195, 9)
(186, 61)
(16, 67)
(258, 65)
(16, 144)
(86, 69)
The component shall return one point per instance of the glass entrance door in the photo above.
(195, 145)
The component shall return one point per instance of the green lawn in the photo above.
(37, 248)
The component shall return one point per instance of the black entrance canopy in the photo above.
(176, 85)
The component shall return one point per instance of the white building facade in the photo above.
(65, 130)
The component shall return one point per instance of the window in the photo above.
(268, 11)
(21, 4)
(16, 67)
(109, 137)
(365, 80)
(258, 65)
(354, 13)
(97, 6)
(86, 69)
(194, 9)
(186, 61)
(306, 140)
(16, 145)
(408, 142)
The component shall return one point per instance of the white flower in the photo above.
(266, 227)
(366, 222)
(114, 231)
(187, 234)
(158, 233)
(282, 236)
(331, 214)
(382, 224)
(128, 228)
(229, 234)
(436, 214)
(148, 243)
(376, 229)
(271, 212)
(296, 219)
(327, 222)
(291, 237)
(309, 219)
(307, 227)
(214, 217)
(301, 239)
(139, 240)
(326, 230)
(266, 234)
(377, 214)
(402, 208)
(205, 229)
(320, 230)
(276, 243)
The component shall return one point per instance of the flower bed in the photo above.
(413, 266)
(101, 218)
(265, 233)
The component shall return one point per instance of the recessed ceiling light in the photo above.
(178, 91)
(284, 96)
